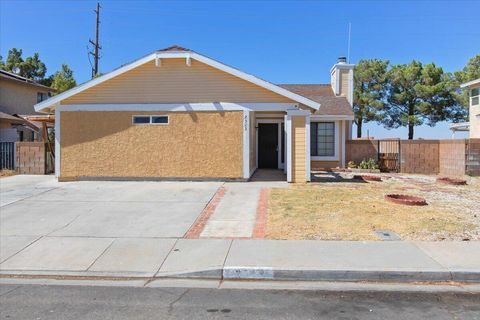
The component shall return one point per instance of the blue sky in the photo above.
(280, 41)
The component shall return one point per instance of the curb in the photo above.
(266, 273)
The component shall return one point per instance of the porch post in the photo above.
(57, 142)
(300, 139)
(246, 144)
(288, 145)
(307, 148)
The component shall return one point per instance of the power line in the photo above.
(96, 44)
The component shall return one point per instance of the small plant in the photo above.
(369, 164)
(351, 164)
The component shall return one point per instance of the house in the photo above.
(177, 114)
(18, 95)
(474, 110)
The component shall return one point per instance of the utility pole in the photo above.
(96, 44)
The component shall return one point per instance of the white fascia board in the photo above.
(56, 99)
(298, 112)
(181, 107)
(332, 117)
(470, 83)
(174, 55)
(257, 81)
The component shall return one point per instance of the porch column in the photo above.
(246, 144)
(297, 128)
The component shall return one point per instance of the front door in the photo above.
(268, 145)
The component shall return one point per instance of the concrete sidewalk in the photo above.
(394, 261)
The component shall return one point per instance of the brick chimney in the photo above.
(342, 79)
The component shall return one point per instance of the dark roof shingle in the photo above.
(323, 94)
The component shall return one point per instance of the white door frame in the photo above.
(279, 122)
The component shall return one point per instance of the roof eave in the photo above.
(470, 83)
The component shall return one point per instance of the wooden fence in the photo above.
(445, 157)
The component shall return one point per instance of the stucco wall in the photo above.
(18, 98)
(175, 82)
(299, 149)
(193, 144)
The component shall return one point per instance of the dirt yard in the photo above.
(7, 173)
(339, 208)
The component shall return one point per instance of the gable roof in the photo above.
(16, 77)
(323, 94)
(176, 52)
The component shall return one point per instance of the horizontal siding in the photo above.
(175, 82)
(299, 149)
(344, 82)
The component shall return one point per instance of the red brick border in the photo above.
(197, 228)
(261, 220)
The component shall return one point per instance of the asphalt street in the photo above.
(83, 302)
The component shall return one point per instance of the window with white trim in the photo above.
(322, 139)
(475, 97)
(150, 119)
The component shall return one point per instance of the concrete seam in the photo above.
(225, 260)
(31, 196)
(431, 258)
(101, 254)
(40, 237)
(163, 262)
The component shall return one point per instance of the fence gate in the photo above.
(389, 155)
(7, 155)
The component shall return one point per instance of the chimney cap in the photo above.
(342, 59)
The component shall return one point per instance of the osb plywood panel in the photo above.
(175, 82)
(193, 144)
(299, 149)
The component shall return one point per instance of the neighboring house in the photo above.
(18, 95)
(178, 114)
(474, 110)
(14, 128)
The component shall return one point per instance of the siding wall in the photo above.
(298, 149)
(19, 98)
(344, 82)
(193, 144)
(175, 82)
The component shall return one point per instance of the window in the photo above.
(475, 97)
(322, 139)
(150, 119)
(42, 96)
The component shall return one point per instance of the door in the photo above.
(268, 145)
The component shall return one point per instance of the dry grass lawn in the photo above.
(7, 173)
(353, 210)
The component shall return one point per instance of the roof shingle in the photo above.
(323, 94)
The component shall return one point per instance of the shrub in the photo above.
(351, 164)
(370, 164)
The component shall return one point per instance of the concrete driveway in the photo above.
(46, 225)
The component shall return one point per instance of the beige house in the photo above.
(177, 114)
(474, 110)
(18, 95)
